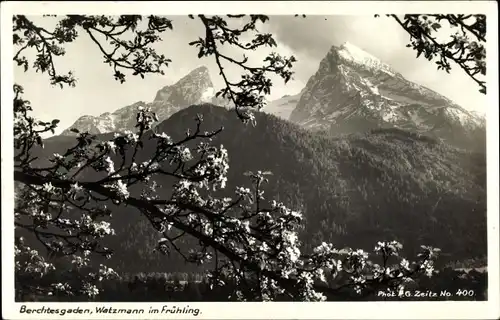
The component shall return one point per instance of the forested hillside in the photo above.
(354, 190)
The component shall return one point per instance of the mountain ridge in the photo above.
(195, 87)
(354, 91)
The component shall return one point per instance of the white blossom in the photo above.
(41, 216)
(75, 188)
(111, 145)
(109, 165)
(121, 189)
(165, 138)
(80, 261)
(130, 136)
(102, 228)
(133, 167)
(185, 155)
(405, 264)
(428, 268)
(47, 187)
(64, 287)
(241, 191)
(90, 290)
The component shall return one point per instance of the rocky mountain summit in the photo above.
(354, 91)
(194, 88)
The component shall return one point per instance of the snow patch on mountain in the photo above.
(106, 123)
(350, 52)
(464, 118)
(208, 94)
(372, 87)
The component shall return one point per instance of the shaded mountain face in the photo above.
(353, 189)
(194, 88)
(283, 107)
(354, 91)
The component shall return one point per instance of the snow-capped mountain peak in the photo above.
(352, 53)
(355, 91)
(194, 88)
(195, 82)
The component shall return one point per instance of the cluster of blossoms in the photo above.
(98, 229)
(127, 136)
(217, 165)
(32, 266)
(163, 138)
(428, 255)
(90, 290)
(63, 288)
(109, 165)
(146, 118)
(28, 260)
(120, 189)
(307, 292)
(210, 172)
(75, 189)
(184, 154)
(388, 248)
(41, 218)
(279, 252)
(104, 273)
(186, 191)
(80, 262)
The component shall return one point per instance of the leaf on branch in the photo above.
(39, 141)
(436, 26)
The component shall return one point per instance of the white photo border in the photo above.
(255, 310)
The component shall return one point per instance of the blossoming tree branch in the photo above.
(247, 239)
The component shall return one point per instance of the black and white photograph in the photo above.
(163, 159)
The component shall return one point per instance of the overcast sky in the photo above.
(307, 39)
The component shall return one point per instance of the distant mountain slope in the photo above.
(353, 91)
(282, 107)
(354, 189)
(196, 87)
